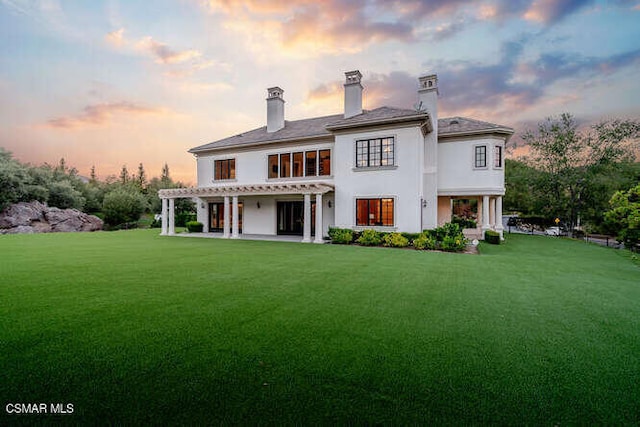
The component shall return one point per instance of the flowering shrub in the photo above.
(395, 240)
(454, 243)
(342, 236)
(424, 241)
(369, 238)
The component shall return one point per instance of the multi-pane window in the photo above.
(375, 152)
(497, 160)
(299, 164)
(374, 212)
(224, 169)
(480, 157)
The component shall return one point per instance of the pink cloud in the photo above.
(100, 114)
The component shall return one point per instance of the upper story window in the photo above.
(224, 169)
(299, 164)
(480, 156)
(375, 152)
(497, 156)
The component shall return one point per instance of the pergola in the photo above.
(230, 194)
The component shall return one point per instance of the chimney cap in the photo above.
(428, 82)
(274, 92)
(353, 77)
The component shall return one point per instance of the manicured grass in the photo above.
(136, 328)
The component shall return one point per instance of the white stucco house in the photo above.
(391, 169)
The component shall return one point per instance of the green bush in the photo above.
(122, 207)
(464, 222)
(492, 237)
(341, 236)
(395, 240)
(455, 243)
(369, 238)
(411, 236)
(424, 241)
(195, 226)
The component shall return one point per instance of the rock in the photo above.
(36, 217)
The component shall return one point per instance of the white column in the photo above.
(485, 214)
(499, 227)
(172, 216)
(306, 233)
(203, 210)
(227, 218)
(165, 224)
(234, 219)
(319, 227)
(492, 212)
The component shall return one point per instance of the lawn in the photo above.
(135, 328)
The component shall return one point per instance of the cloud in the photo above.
(552, 11)
(101, 114)
(310, 28)
(164, 54)
(499, 91)
(116, 37)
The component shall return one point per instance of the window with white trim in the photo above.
(480, 156)
(224, 169)
(299, 164)
(378, 212)
(497, 156)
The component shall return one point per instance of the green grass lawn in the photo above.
(136, 328)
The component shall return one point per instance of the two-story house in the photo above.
(391, 169)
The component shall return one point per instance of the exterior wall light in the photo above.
(329, 203)
(258, 205)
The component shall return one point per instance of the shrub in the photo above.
(424, 241)
(463, 222)
(370, 238)
(122, 206)
(341, 236)
(492, 237)
(455, 243)
(395, 240)
(195, 226)
(411, 236)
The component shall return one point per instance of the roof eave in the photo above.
(508, 132)
(259, 143)
(376, 122)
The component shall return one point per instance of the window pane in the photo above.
(273, 166)
(298, 164)
(375, 217)
(285, 165)
(232, 169)
(311, 163)
(362, 212)
(481, 156)
(498, 156)
(216, 170)
(362, 154)
(375, 151)
(224, 169)
(387, 152)
(387, 212)
(325, 162)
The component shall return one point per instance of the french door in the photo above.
(216, 217)
(291, 218)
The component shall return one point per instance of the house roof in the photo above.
(319, 127)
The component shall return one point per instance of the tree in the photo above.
(141, 177)
(13, 180)
(63, 195)
(624, 216)
(164, 176)
(569, 160)
(124, 175)
(122, 206)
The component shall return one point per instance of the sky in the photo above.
(122, 82)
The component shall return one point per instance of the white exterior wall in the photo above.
(251, 165)
(402, 183)
(457, 174)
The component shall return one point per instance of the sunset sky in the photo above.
(112, 83)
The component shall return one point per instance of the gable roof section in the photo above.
(320, 127)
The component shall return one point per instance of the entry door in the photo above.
(291, 218)
(216, 215)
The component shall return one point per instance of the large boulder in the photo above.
(36, 217)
